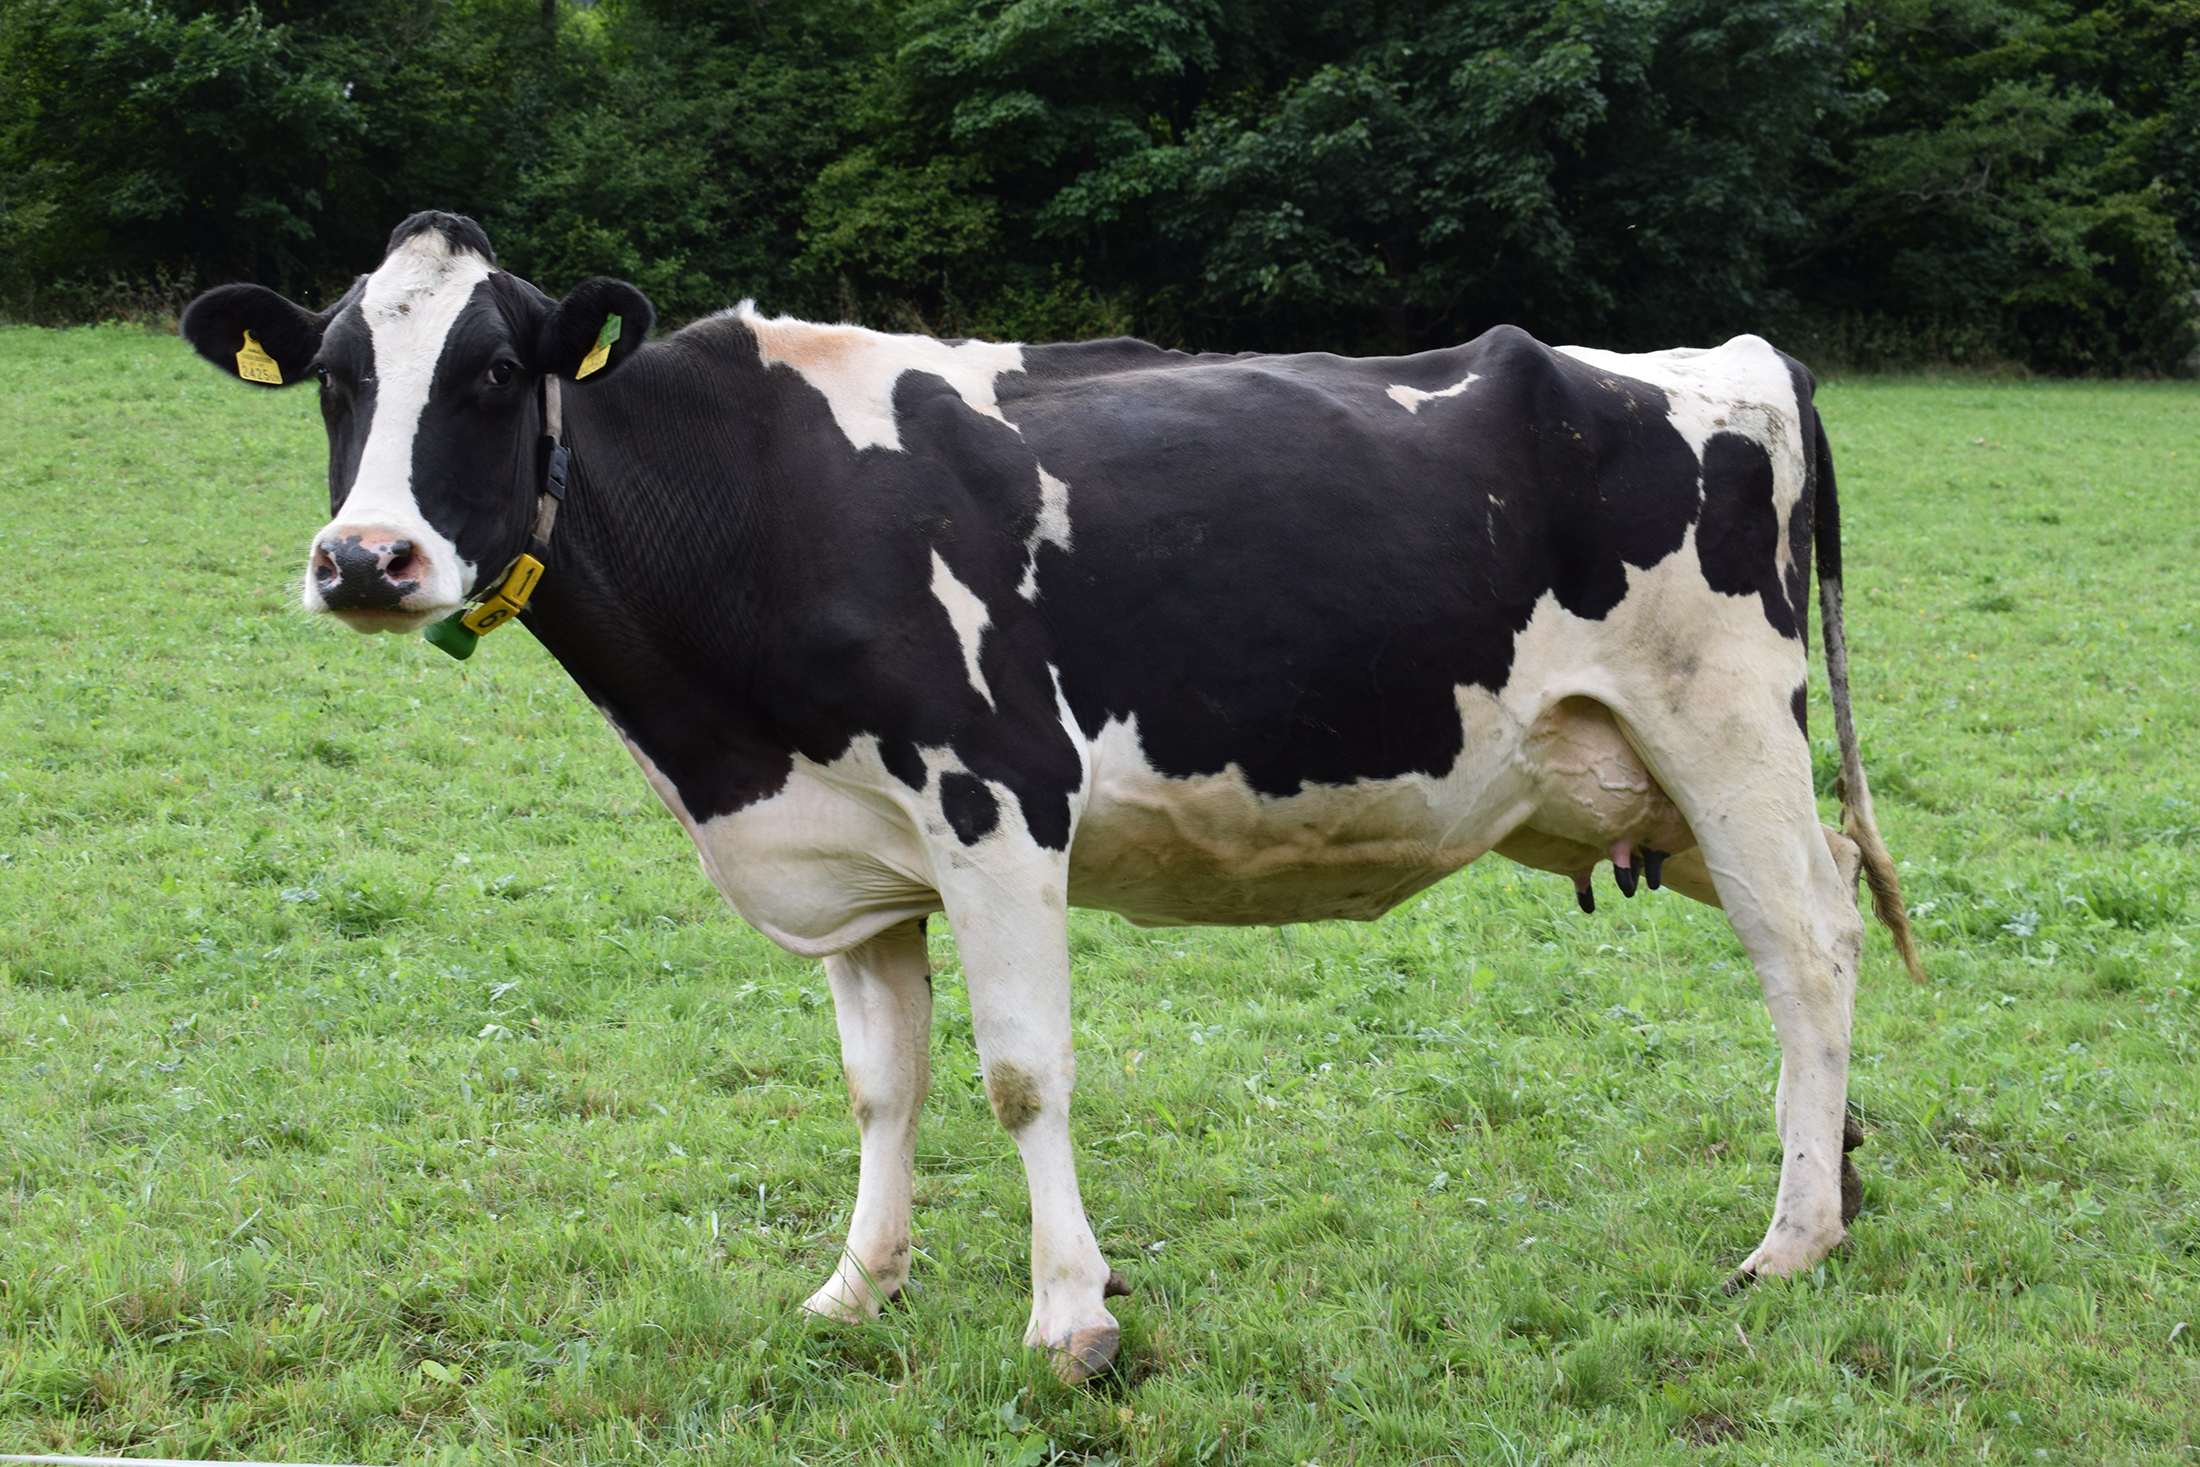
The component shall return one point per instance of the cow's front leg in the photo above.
(882, 998)
(1016, 962)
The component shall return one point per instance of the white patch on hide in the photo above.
(1163, 850)
(834, 858)
(1051, 529)
(856, 368)
(1411, 398)
(970, 619)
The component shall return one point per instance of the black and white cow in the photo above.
(898, 626)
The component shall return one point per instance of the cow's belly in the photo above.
(842, 852)
(1209, 849)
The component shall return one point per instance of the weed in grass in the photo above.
(381, 1081)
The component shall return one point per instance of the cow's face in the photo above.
(430, 373)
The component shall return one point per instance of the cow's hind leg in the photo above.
(882, 998)
(1740, 770)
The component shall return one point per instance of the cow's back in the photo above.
(1291, 564)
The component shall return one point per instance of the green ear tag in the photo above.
(601, 351)
(452, 637)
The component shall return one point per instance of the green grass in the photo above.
(381, 1081)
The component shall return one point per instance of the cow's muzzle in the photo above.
(365, 572)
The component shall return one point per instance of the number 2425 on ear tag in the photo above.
(255, 365)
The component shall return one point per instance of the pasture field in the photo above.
(380, 1080)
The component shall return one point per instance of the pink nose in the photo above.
(366, 571)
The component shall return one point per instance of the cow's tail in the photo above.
(1857, 820)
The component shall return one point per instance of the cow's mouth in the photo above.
(387, 619)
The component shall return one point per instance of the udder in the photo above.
(1595, 800)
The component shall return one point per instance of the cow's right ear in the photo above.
(251, 332)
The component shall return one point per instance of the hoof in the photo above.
(1778, 1259)
(852, 1298)
(1116, 1286)
(1089, 1351)
(829, 1303)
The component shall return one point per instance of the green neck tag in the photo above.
(453, 636)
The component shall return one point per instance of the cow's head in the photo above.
(429, 371)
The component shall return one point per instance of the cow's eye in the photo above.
(320, 374)
(502, 372)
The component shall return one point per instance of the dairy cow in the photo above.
(898, 626)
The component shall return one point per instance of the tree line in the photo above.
(1882, 183)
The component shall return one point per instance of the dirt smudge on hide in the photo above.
(1014, 1093)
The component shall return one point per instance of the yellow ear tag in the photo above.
(601, 351)
(255, 365)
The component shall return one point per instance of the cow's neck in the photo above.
(657, 596)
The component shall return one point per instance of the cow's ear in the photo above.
(598, 325)
(251, 332)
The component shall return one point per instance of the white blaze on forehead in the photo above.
(1052, 529)
(1411, 398)
(856, 370)
(409, 306)
(970, 619)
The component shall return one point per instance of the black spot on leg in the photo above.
(969, 807)
(1799, 705)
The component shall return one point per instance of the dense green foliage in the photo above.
(1877, 181)
(380, 1080)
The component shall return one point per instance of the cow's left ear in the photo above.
(598, 325)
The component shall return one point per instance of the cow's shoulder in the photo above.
(857, 371)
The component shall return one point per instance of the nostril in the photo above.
(402, 564)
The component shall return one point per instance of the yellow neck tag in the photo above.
(601, 351)
(255, 365)
(507, 599)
